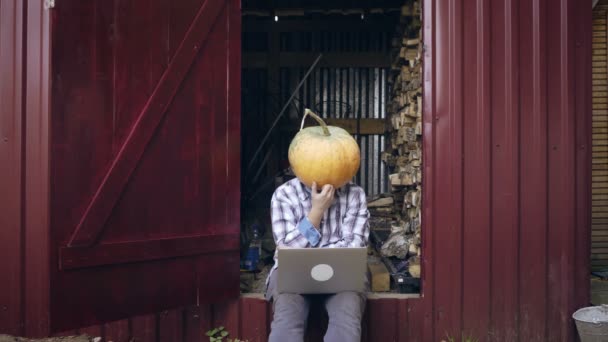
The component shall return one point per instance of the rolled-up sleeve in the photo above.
(287, 229)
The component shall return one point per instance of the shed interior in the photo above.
(356, 64)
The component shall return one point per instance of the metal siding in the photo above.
(447, 178)
(599, 248)
(477, 170)
(504, 163)
(539, 182)
(561, 181)
(583, 106)
(37, 127)
(11, 145)
(533, 157)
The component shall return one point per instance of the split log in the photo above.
(395, 246)
(379, 276)
(381, 202)
(403, 154)
(414, 266)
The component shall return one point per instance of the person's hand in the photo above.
(322, 200)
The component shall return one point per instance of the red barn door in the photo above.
(145, 157)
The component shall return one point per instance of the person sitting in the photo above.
(305, 217)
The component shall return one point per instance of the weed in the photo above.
(218, 334)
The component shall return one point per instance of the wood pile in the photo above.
(403, 154)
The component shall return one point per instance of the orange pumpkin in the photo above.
(324, 154)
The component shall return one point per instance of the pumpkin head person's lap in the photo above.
(320, 208)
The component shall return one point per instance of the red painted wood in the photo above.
(228, 315)
(123, 57)
(254, 316)
(11, 181)
(67, 333)
(138, 63)
(383, 317)
(206, 318)
(533, 164)
(193, 316)
(505, 176)
(220, 134)
(128, 290)
(448, 186)
(179, 16)
(181, 147)
(477, 171)
(215, 280)
(92, 331)
(416, 316)
(170, 326)
(143, 328)
(36, 230)
(233, 125)
(402, 324)
(117, 331)
(138, 251)
(100, 207)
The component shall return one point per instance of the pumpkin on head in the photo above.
(324, 154)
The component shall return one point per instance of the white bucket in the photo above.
(592, 323)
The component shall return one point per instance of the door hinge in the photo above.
(48, 4)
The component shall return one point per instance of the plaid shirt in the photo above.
(344, 224)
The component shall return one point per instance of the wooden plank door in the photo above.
(145, 157)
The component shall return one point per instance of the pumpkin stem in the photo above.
(317, 118)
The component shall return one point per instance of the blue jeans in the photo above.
(290, 315)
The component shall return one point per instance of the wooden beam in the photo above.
(379, 276)
(320, 4)
(304, 59)
(138, 251)
(363, 127)
(318, 25)
(129, 154)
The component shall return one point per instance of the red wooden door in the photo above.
(145, 156)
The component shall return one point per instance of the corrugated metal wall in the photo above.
(334, 92)
(599, 233)
(507, 168)
(11, 171)
(346, 93)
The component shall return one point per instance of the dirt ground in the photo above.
(84, 338)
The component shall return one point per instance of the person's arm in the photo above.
(355, 226)
(287, 229)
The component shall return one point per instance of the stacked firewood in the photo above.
(403, 154)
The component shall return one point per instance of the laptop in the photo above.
(321, 270)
